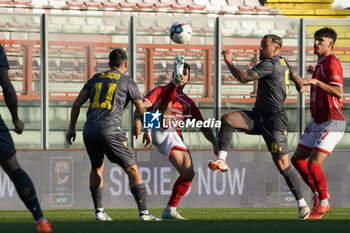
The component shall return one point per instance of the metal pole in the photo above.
(301, 64)
(217, 70)
(44, 93)
(132, 70)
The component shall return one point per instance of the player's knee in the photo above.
(131, 171)
(10, 164)
(189, 174)
(228, 122)
(281, 165)
(225, 118)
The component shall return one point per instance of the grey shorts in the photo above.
(273, 128)
(115, 146)
(7, 147)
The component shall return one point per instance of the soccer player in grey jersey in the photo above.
(109, 93)
(268, 117)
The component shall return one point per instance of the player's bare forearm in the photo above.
(75, 111)
(298, 82)
(139, 110)
(9, 94)
(333, 90)
(74, 114)
(240, 75)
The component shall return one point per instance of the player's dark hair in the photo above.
(275, 39)
(187, 67)
(117, 58)
(326, 32)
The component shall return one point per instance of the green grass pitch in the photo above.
(237, 220)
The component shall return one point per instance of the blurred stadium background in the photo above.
(55, 46)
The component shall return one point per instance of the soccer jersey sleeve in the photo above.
(4, 65)
(264, 68)
(88, 84)
(134, 92)
(334, 72)
(153, 96)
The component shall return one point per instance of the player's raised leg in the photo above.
(229, 122)
(26, 191)
(169, 93)
(292, 180)
(182, 161)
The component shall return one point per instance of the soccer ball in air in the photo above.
(180, 32)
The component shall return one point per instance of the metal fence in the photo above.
(52, 56)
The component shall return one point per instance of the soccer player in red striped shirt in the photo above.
(328, 122)
(175, 106)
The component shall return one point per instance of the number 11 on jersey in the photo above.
(107, 103)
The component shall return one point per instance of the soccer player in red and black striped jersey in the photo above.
(8, 161)
(109, 93)
(328, 122)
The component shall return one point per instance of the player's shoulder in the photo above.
(333, 59)
(270, 60)
(154, 91)
(186, 98)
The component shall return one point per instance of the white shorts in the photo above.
(166, 140)
(323, 137)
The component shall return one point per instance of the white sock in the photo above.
(100, 209)
(302, 202)
(38, 220)
(143, 212)
(169, 208)
(222, 155)
(323, 202)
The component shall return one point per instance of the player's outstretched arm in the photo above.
(240, 75)
(74, 114)
(333, 90)
(11, 100)
(298, 81)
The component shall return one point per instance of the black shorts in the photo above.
(7, 148)
(273, 128)
(115, 146)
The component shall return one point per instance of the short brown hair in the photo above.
(326, 32)
(117, 58)
(275, 39)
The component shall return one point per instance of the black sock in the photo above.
(26, 192)
(292, 180)
(225, 135)
(139, 192)
(96, 194)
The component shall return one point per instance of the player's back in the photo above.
(109, 92)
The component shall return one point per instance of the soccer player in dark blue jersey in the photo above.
(8, 160)
(268, 117)
(109, 93)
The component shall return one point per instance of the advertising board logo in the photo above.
(151, 120)
(61, 182)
